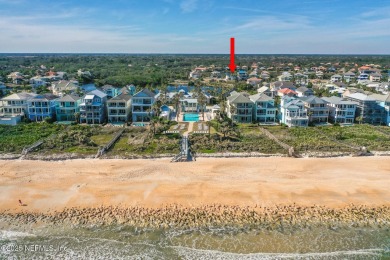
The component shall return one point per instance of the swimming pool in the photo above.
(190, 117)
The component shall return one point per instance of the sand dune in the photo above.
(333, 182)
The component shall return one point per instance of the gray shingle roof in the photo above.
(313, 100)
(260, 97)
(97, 93)
(20, 96)
(239, 98)
(361, 96)
(69, 98)
(121, 97)
(338, 101)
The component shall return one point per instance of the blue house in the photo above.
(93, 107)
(41, 107)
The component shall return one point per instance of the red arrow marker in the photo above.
(232, 65)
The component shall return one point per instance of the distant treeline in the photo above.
(157, 69)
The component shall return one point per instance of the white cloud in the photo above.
(188, 6)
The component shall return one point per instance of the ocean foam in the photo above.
(12, 235)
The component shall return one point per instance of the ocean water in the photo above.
(124, 242)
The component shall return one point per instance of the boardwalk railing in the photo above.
(32, 147)
(289, 148)
(102, 150)
(184, 151)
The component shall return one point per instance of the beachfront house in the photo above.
(118, 109)
(367, 109)
(341, 110)
(293, 112)
(383, 102)
(264, 108)
(13, 108)
(15, 104)
(239, 108)
(317, 109)
(41, 107)
(189, 105)
(93, 107)
(67, 107)
(141, 106)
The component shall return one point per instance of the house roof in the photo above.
(239, 98)
(69, 98)
(380, 97)
(121, 97)
(283, 84)
(302, 89)
(293, 103)
(361, 96)
(313, 100)
(105, 87)
(96, 92)
(44, 97)
(124, 90)
(65, 85)
(349, 73)
(376, 75)
(20, 96)
(260, 97)
(287, 91)
(262, 89)
(144, 92)
(338, 101)
(336, 76)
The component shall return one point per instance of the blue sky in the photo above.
(196, 26)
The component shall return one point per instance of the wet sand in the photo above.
(48, 186)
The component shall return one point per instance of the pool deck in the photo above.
(206, 117)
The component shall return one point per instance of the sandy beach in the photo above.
(332, 182)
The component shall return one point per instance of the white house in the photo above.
(37, 81)
(341, 110)
(349, 76)
(293, 112)
(15, 104)
(336, 78)
(375, 77)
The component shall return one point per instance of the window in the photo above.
(350, 113)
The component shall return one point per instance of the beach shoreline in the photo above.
(331, 182)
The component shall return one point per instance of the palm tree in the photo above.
(359, 119)
(202, 101)
(156, 107)
(176, 103)
(77, 117)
